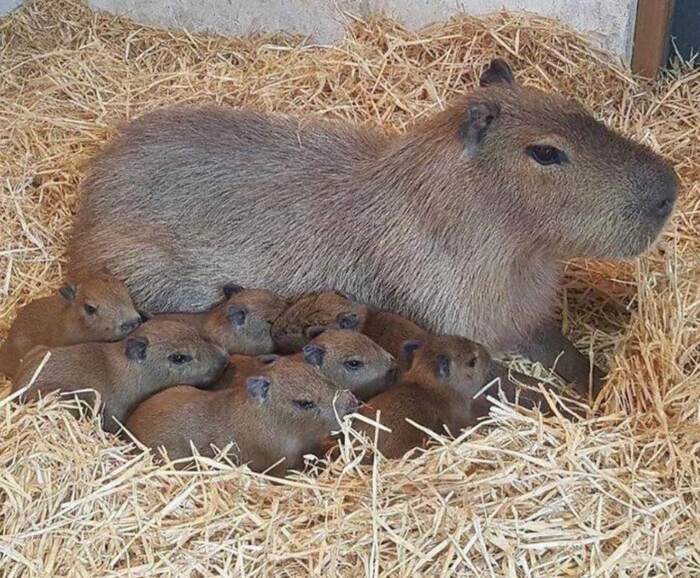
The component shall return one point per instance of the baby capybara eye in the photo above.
(237, 315)
(443, 366)
(348, 320)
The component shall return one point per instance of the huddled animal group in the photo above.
(271, 377)
(457, 228)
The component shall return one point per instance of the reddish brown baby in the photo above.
(348, 359)
(241, 323)
(97, 309)
(315, 312)
(159, 354)
(279, 416)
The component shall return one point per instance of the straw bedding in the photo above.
(522, 495)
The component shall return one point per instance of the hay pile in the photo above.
(616, 495)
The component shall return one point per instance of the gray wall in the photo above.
(7, 5)
(609, 22)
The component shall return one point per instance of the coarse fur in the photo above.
(97, 309)
(346, 358)
(331, 309)
(240, 324)
(263, 420)
(126, 372)
(313, 313)
(437, 392)
(454, 224)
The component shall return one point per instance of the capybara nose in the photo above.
(392, 374)
(347, 402)
(663, 208)
(223, 357)
(660, 203)
(129, 326)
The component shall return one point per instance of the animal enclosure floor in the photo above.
(521, 495)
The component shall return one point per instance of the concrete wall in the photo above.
(610, 22)
(7, 5)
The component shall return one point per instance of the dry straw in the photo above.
(616, 495)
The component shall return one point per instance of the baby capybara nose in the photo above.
(346, 402)
(129, 326)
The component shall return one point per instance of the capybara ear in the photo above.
(497, 72)
(136, 348)
(268, 358)
(314, 331)
(442, 366)
(258, 388)
(68, 291)
(347, 320)
(236, 315)
(408, 348)
(231, 289)
(476, 124)
(314, 354)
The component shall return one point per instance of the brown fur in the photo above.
(452, 224)
(62, 319)
(264, 429)
(332, 353)
(251, 337)
(325, 310)
(313, 313)
(433, 400)
(123, 382)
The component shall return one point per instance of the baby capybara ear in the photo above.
(231, 289)
(268, 358)
(408, 348)
(442, 366)
(258, 388)
(347, 320)
(68, 291)
(314, 354)
(236, 315)
(136, 348)
(498, 72)
(314, 331)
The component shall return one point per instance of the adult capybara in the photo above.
(460, 224)
(97, 309)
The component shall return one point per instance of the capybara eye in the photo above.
(472, 362)
(90, 309)
(237, 315)
(179, 358)
(443, 366)
(348, 321)
(546, 155)
(304, 404)
(354, 364)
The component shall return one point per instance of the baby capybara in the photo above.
(157, 355)
(241, 323)
(315, 312)
(97, 309)
(349, 360)
(279, 416)
(436, 392)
